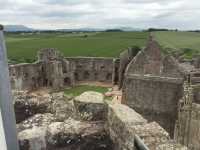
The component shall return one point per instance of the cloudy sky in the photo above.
(51, 14)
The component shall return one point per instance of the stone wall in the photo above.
(53, 70)
(26, 76)
(125, 58)
(195, 80)
(187, 131)
(154, 99)
(92, 69)
(124, 124)
(153, 86)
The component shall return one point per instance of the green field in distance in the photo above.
(24, 47)
(182, 42)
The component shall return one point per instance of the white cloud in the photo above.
(101, 13)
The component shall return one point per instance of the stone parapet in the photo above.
(124, 123)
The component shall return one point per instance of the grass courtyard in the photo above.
(77, 90)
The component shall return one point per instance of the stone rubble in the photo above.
(109, 125)
(27, 104)
(90, 106)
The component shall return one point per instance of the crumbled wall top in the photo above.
(152, 61)
(49, 54)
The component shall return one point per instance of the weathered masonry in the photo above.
(99, 126)
(53, 70)
(153, 86)
(187, 129)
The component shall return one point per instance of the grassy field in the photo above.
(23, 48)
(77, 90)
(187, 43)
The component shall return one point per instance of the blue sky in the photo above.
(52, 14)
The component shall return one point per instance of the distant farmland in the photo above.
(23, 48)
(186, 42)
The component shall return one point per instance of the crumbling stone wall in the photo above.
(115, 126)
(153, 86)
(26, 76)
(195, 80)
(92, 69)
(53, 70)
(155, 99)
(58, 71)
(125, 58)
(71, 124)
(124, 124)
(187, 131)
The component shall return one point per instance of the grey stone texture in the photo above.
(171, 146)
(123, 123)
(187, 130)
(38, 120)
(62, 106)
(125, 58)
(116, 130)
(57, 130)
(92, 69)
(189, 133)
(195, 80)
(32, 139)
(153, 86)
(55, 71)
(70, 134)
(27, 105)
(90, 106)
(26, 76)
(120, 119)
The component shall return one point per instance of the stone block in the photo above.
(33, 139)
(90, 106)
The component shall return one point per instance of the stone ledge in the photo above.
(155, 78)
(171, 146)
(127, 115)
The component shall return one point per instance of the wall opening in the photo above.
(116, 73)
(76, 76)
(34, 84)
(86, 75)
(67, 81)
(95, 75)
(109, 76)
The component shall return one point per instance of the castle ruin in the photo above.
(161, 98)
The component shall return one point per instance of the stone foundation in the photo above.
(116, 130)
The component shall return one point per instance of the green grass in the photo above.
(23, 48)
(77, 90)
(187, 43)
